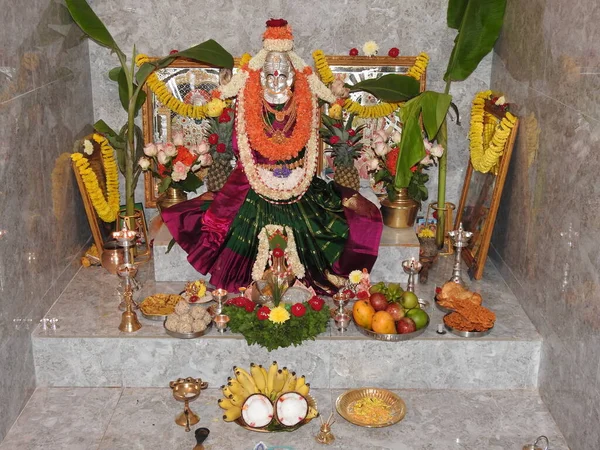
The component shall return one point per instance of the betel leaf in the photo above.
(434, 106)
(91, 24)
(209, 52)
(480, 24)
(389, 88)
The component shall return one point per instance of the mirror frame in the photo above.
(368, 61)
(476, 262)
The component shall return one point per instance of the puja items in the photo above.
(466, 318)
(267, 400)
(460, 238)
(325, 436)
(371, 407)
(187, 322)
(187, 390)
(159, 306)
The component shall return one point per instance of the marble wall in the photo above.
(45, 105)
(547, 234)
(413, 26)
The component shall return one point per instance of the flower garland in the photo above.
(382, 109)
(488, 139)
(266, 145)
(291, 252)
(106, 208)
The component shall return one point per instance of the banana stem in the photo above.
(442, 139)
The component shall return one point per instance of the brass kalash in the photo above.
(187, 390)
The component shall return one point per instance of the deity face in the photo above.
(277, 77)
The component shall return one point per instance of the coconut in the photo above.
(257, 411)
(291, 409)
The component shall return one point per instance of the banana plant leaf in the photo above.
(90, 23)
(389, 88)
(478, 23)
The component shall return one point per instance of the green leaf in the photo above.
(172, 243)
(123, 90)
(91, 24)
(412, 149)
(114, 73)
(478, 31)
(164, 184)
(143, 72)
(139, 102)
(389, 88)
(434, 106)
(456, 11)
(209, 52)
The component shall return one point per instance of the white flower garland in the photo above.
(291, 252)
(278, 45)
(320, 90)
(236, 83)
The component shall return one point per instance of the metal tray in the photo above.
(345, 403)
(467, 334)
(153, 316)
(440, 307)
(187, 335)
(392, 337)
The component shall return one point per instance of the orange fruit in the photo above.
(383, 322)
(363, 313)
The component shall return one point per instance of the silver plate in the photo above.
(188, 335)
(153, 317)
(467, 334)
(392, 337)
(440, 307)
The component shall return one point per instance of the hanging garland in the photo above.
(382, 109)
(487, 136)
(107, 207)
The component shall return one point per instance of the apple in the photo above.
(396, 311)
(409, 300)
(406, 325)
(378, 301)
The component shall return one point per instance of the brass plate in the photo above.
(275, 426)
(345, 404)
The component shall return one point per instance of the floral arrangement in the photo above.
(281, 326)
(277, 241)
(219, 139)
(106, 204)
(174, 164)
(382, 160)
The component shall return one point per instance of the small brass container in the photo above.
(187, 390)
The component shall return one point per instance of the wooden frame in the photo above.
(480, 185)
(148, 120)
(365, 65)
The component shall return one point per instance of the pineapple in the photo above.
(346, 174)
(218, 173)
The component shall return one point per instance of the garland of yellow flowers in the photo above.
(488, 137)
(164, 95)
(382, 109)
(106, 208)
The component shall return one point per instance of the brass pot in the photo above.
(401, 212)
(170, 197)
(112, 257)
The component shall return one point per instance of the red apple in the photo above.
(378, 301)
(406, 325)
(396, 311)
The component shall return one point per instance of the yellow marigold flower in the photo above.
(335, 111)
(215, 107)
(279, 315)
(355, 276)
(426, 233)
(85, 262)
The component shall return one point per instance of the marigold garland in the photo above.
(107, 207)
(382, 109)
(487, 136)
(264, 144)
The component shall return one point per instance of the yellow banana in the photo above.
(290, 383)
(279, 382)
(312, 413)
(285, 373)
(271, 377)
(246, 381)
(300, 382)
(257, 376)
(236, 388)
(303, 390)
(225, 403)
(226, 391)
(232, 414)
(264, 372)
(237, 400)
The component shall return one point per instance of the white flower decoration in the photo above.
(370, 48)
(88, 147)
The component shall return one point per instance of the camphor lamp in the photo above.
(219, 295)
(411, 267)
(460, 238)
(221, 321)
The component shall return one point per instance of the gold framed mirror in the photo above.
(354, 69)
(481, 195)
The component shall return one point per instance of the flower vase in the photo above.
(170, 197)
(400, 212)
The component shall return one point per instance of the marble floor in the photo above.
(142, 418)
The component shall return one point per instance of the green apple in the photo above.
(409, 300)
(419, 316)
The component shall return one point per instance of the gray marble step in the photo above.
(115, 419)
(88, 350)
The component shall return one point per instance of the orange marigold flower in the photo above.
(391, 160)
(184, 156)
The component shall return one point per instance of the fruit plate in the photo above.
(466, 334)
(197, 334)
(392, 337)
(394, 405)
(275, 426)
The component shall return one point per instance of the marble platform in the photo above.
(138, 418)
(87, 350)
(396, 245)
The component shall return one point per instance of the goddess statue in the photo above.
(335, 229)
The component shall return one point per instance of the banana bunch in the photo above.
(271, 383)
